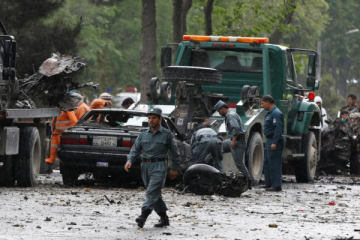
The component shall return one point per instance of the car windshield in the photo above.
(114, 119)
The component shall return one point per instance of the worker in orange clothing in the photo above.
(82, 107)
(99, 103)
(62, 123)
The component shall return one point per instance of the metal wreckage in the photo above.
(54, 80)
(341, 147)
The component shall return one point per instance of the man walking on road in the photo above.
(153, 144)
(273, 130)
(236, 143)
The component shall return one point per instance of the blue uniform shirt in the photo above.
(274, 125)
(156, 145)
(201, 132)
(233, 124)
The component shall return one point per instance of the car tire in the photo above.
(155, 88)
(195, 75)
(69, 176)
(7, 175)
(255, 157)
(29, 157)
(165, 92)
(245, 92)
(255, 91)
(305, 168)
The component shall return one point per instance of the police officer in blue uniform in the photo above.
(236, 143)
(273, 130)
(154, 144)
(206, 145)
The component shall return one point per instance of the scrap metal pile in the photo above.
(341, 146)
(203, 179)
(54, 80)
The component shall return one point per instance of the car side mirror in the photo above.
(312, 65)
(310, 82)
(166, 55)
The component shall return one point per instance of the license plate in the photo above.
(105, 141)
(102, 164)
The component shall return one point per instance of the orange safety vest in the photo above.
(97, 103)
(82, 109)
(64, 122)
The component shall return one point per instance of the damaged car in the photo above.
(102, 139)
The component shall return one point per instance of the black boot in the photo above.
(142, 218)
(249, 184)
(164, 220)
(48, 168)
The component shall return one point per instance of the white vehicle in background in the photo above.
(130, 92)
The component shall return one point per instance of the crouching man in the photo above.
(153, 144)
(206, 144)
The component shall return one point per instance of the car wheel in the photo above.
(166, 92)
(305, 168)
(255, 157)
(155, 88)
(195, 75)
(28, 159)
(69, 176)
(245, 92)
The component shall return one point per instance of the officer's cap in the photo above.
(219, 105)
(156, 111)
(105, 96)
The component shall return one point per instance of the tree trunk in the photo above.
(277, 35)
(208, 14)
(187, 4)
(148, 51)
(177, 21)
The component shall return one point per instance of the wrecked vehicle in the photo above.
(102, 139)
(25, 130)
(239, 70)
(203, 179)
(54, 80)
(339, 153)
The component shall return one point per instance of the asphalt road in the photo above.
(328, 209)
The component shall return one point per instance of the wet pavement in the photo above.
(328, 209)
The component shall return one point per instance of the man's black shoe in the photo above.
(249, 184)
(48, 168)
(276, 189)
(140, 220)
(164, 220)
(264, 186)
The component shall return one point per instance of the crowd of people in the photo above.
(68, 119)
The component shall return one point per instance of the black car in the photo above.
(102, 139)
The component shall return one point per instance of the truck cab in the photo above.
(250, 68)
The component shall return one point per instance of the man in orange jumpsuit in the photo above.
(62, 123)
(98, 103)
(82, 107)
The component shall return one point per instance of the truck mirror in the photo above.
(166, 55)
(317, 85)
(312, 65)
(310, 82)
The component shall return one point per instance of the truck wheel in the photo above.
(195, 75)
(165, 92)
(7, 175)
(245, 92)
(155, 87)
(255, 157)
(69, 175)
(29, 157)
(305, 168)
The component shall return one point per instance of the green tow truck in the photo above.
(239, 70)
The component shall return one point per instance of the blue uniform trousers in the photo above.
(154, 176)
(273, 164)
(238, 154)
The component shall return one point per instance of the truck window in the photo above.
(228, 60)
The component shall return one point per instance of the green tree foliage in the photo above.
(36, 40)
(332, 101)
